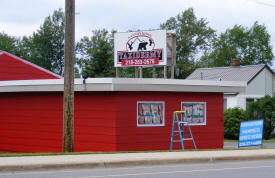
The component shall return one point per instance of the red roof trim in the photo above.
(30, 64)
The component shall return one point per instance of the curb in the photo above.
(135, 160)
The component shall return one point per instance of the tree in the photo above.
(193, 37)
(10, 44)
(263, 109)
(46, 46)
(251, 46)
(96, 54)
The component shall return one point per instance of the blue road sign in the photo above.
(251, 133)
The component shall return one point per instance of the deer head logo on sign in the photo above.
(138, 49)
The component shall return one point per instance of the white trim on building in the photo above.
(124, 84)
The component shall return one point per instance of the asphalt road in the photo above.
(228, 169)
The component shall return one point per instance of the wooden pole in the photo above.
(140, 72)
(165, 72)
(136, 72)
(68, 100)
(173, 56)
(154, 72)
(117, 72)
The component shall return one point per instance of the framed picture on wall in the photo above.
(195, 112)
(150, 113)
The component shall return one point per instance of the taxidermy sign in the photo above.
(145, 48)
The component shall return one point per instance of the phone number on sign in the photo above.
(139, 62)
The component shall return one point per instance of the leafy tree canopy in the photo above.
(193, 36)
(197, 46)
(250, 45)
(96, 54)
(10, 44)
(46, 46)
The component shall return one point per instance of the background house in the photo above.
(16, 68)
(260, 81)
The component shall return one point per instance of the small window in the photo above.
(195, 112)
(224, 103)
(150, 113)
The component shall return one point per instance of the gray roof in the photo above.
(240, 73)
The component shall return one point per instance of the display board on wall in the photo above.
(195, 112)
(144, 48)
(251, 133)
(150, 113)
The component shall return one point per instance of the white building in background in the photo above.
(260, 81)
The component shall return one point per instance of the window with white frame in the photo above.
(150, 113)
(224, 103)
(195, 112)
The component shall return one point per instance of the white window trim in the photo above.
(152, 125)
(196, 102)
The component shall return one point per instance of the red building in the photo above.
(111, 114)
(15, 68)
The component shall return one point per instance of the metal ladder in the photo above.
(180, 123)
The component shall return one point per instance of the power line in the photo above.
(264, 3)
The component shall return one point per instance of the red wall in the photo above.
(31, 122)
(131, 137)
(95, 122)
(104, 121)
(11, 68)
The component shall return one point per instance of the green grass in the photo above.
(270, 141)
(79, 153)
(230, 140)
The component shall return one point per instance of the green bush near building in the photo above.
(261, 109)
(232, 119)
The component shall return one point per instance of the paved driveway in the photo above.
(234, 145)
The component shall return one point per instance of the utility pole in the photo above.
(68, 95)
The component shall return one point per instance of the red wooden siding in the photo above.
(95, 122)
(131, 137)
(14, 68)
(31, 122)
(104, 121)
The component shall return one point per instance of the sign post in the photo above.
(145, 49)
(251, 133)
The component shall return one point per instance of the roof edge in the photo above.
(124, 84)
(209, 68)
(31, 64)
(264, 66)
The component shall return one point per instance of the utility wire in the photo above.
(264, 3)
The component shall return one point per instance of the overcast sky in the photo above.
(23, 17)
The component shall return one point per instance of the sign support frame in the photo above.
(170, 34)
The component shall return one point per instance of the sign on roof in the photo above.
(145, 48)
(251, 133)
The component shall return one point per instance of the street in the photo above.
(225, 169)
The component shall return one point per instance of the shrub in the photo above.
(232, 119)
(263, 109)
